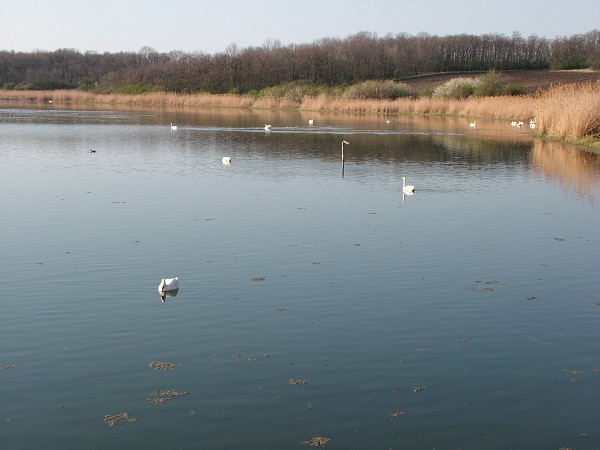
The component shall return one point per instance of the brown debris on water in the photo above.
(317, 442)
(298, 382)
(112, 420)
(162, 397)
(161, 365)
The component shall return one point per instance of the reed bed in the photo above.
(569, 111)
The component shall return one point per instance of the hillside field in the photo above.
(531, 81)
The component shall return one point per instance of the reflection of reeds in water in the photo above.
(574, 169)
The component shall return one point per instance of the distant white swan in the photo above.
(173, 127)
(407, 188)
(168, 284)
(226, 160)
(520, 123)
(311, 121)
(268, 127)
(473, 124)
(513, 123)
(532, 123)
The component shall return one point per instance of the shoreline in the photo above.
(510, 108)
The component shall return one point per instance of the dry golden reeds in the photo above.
(565, 111)
(569, 111)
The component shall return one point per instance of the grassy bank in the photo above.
(565, 112)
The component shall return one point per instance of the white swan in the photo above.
(226, 160)
(268, 127)
(513, 123)
(173, 127)
(311, 121)
(167, 285)
(407, 188)
(473, 124)
(520, 123)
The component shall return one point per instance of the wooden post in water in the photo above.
(347, 143)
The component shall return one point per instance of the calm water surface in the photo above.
(465, 316)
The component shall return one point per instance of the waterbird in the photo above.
(92, 151)
(168, 284)
(226, 160)
(173, 127)
(473, 124)
(268, 127)
(514, 123)
(311, 121)
(407, 188)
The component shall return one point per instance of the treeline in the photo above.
(328, 61)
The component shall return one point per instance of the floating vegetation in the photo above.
(257, 279)
(317, 442)
(111, 420)
(8, 366)
(298, 382)
(397, 414)
(162, 397)
(161, 365)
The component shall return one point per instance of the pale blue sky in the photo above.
(212, 25)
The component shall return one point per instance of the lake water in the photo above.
(465, 316)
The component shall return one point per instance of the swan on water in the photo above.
(473, 124)
(268, 127)
(226, 160)
(311, 121)
(168, 284)
(407, 188)
(173, 127)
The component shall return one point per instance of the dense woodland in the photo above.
(328, 61)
